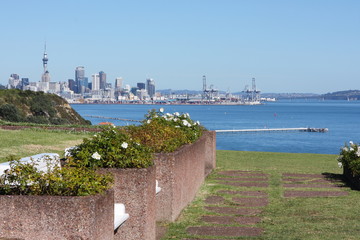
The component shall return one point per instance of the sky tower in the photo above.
(45, 76)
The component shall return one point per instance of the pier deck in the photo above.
(302, 129)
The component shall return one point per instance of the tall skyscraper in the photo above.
(95, 82)
(46, 75)
(80, 79)
(150, 87)
(102, 77)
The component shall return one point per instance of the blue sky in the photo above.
(288, 46)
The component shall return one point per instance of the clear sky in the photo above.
(308, 46)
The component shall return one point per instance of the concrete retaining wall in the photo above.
(210, 152)
(135, 188)
(180, 175)
(57, 217)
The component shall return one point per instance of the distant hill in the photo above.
(37, 107)
(343, 95)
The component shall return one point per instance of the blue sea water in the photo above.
(342, 118)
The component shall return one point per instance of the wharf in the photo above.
(274, 130)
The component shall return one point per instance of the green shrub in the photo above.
(165, 132)
(110, 148)
(9, 112)
(350, 158)
(26, 179)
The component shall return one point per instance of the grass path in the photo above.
(315, 216)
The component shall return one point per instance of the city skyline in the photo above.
(297, 46)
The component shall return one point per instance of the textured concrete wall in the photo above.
(135, 187)
(180, 175)
(210, 155)
(57, 217)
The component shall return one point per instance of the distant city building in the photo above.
(133, 90)
(15, 76)
(72, 85)
(80, 81)
(150, 87)
(102, 77)
(141, 94)
(24, 82)
(118, 84)
(14, 81)
(141, 85)
(46, 75)
(95, 82)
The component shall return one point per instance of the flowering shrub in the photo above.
(165, 132)
(350, 158)
(26, 179)
(111, 148)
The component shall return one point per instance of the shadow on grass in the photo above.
(340, 179)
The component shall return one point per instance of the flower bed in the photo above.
(131, 164)
(56, 203)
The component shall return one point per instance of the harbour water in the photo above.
(342, 118)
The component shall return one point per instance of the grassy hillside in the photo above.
(37, 107)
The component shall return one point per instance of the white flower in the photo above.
(351, 149)
(351, 143)
(358, 152)
(161, 110)
(339, 164)
(175, 119)
(177, 126)
(197, 123)
(345, 149)
(148, 121)
(68, 151)
(96, 156)
(185, 122)
(95, 135)
(177, 114)
(124, 145)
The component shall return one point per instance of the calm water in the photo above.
(342, 118)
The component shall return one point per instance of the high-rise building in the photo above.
(46, 75)
(72, 85)
(150, 87)
(118, 83)
(80, 80)
(95, 82)
(102, 77)
(14, 81)
(141, 85)
(24, 82)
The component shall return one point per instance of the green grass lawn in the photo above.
(283, 218)
(27, 142)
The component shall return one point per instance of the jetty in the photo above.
(301, 129)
